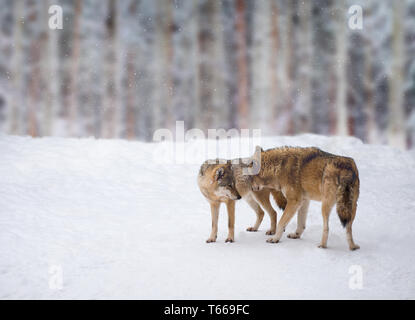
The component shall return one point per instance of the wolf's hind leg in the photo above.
(259, 212)
(301, 220)
(214, 208)
(329, 199)
(352, 245)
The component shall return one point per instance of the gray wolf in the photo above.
(304, 174)
(223, 181)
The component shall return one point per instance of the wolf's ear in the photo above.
(219, 173)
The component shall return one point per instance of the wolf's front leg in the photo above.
(263, 198)
(230, 205)
(259, 213)
(214, 208)
(289, 212)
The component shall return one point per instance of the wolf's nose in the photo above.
(238, 197)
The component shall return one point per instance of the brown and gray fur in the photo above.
(304, 174)
(225, 182)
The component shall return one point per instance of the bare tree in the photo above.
(242, 76)
(341, 76)
(220, 108)
(185, 70)
(72, 112)
(275, 56)
(163, 117)
(34, 77)
(50, 73)
(112, 72)
(16, 63)
(303, 108)
(260, 66)
(396, 130)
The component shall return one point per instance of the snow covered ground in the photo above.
(86, 218)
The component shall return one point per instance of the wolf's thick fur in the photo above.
(223, 181)
(305, 174)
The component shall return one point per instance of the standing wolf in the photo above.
(224, 181)
(304, 174)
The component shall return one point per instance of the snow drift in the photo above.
(86, 218)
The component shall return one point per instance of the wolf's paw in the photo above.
(270, 232)
(229, 239)
(251, 229)
(211, 240)
(354, 247)
(322, 246)
(294, 235)
(273, 240)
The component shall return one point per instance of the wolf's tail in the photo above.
(279, 199)
(347, 193)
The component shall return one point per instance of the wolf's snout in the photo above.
(238, 197)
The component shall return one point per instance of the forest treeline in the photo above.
(122, 69)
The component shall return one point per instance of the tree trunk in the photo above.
(16, 63)
(113, 68)
(72, 112)
(51, 74)
(396, 129)
(260, 66)
(220, 109)
(163, 117)
(303, 124)
(275, 55)
(131, 112)
(241, 52)
(186, 103)
(341, 57)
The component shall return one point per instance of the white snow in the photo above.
(110, 222)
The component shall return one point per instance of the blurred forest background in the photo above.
(122, 69)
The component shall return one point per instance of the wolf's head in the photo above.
(224, 183)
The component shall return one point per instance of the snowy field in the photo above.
(94, 219)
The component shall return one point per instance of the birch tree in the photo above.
(16, 103)
(162, 65)
(33, 30)
(185, 70)
(341, 76)
(6, 87)
(113, 68)
(242, 76)
(303, 103)
(260, 66)
(50, 69)
(396, 131)
(220, 108)
(72, 112)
